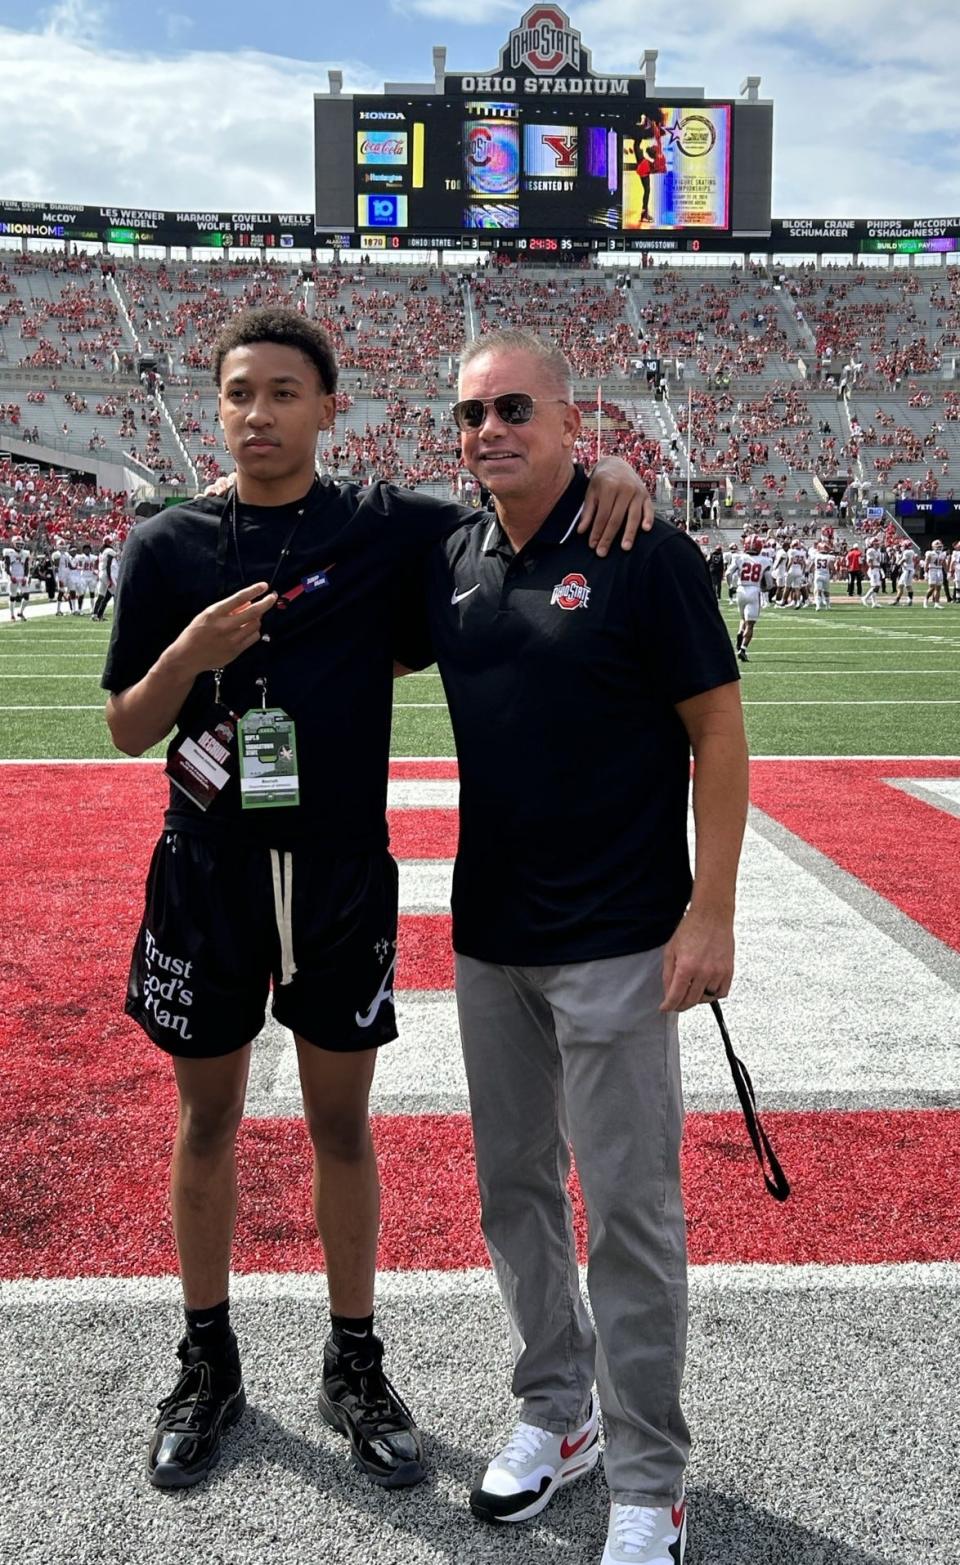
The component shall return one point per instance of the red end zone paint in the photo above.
(899, 846)
(86, 1191)
(86, 1118)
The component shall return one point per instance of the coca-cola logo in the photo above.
(394, 148)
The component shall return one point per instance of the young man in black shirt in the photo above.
(579, 931)
(259, 626)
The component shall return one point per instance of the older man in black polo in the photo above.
(577, 689)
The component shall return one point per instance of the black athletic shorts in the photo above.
(209, 947)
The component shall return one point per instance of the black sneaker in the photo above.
(207, 1398)
(357, 1400)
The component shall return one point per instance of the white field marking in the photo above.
(785, 702)
(805, 1034)
(801, 673)
(106, 760)
(158, 761)
(415, 706)
(942, 792)
(426, 760)
(97, 708)
(844, 758)
(818, 672)
(477, 1282)
(905, 635)
(49, 657)
(856, 652)
(423, 793)
(425, 885)
(814, 642)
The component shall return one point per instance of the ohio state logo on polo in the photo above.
(572, 592)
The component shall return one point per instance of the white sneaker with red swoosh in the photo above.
(646, 1535)
(533, 1464)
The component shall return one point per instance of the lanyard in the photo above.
(229, 531)
(775, 1180)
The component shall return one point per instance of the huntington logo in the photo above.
(545, 42)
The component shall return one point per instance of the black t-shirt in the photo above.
(562, 672)
(329, 662)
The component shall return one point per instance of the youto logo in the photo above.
(545, 42)
(572, 592)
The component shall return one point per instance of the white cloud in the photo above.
(866, 119)
(177, 25)
(212, 130)
(477, 14)
(84, 20)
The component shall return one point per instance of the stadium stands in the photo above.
(794, 383)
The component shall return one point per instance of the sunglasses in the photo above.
(512, 407)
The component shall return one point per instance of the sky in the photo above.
(183, 105)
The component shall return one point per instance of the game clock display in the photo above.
(535, 172)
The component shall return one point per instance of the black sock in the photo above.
(349, 1331)
(209, 1328)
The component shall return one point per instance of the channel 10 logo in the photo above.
(382, 211)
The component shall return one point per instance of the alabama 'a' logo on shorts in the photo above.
(572, 592)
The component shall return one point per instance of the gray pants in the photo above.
(580, 1054)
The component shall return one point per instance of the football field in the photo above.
(823, 1336)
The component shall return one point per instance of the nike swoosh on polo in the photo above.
(459, 596)
(570, 1447)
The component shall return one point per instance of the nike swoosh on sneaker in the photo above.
(459, 596)
(570, 1447)
(676, 1515)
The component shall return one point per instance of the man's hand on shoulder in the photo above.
(617, 500)
(219, 487)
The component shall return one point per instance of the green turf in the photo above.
(842, 661)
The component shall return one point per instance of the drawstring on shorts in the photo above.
(283, 908)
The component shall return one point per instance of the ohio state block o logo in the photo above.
(545, 42)
(572, 592)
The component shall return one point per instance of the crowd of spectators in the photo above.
(62, 505)
(733, 339)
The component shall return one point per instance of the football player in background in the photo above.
(933, 563)
(779, 573)
(752, 573)
(874, 564)
(822, 564)
(908, 557)
(796, 561)
(16, 561)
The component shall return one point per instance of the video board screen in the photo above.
(443, 166)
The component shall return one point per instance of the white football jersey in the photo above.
(753, 568)
(821, 562)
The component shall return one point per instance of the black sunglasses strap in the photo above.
(775, 1180)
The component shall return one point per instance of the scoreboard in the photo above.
(541, 153)
(494, 171)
